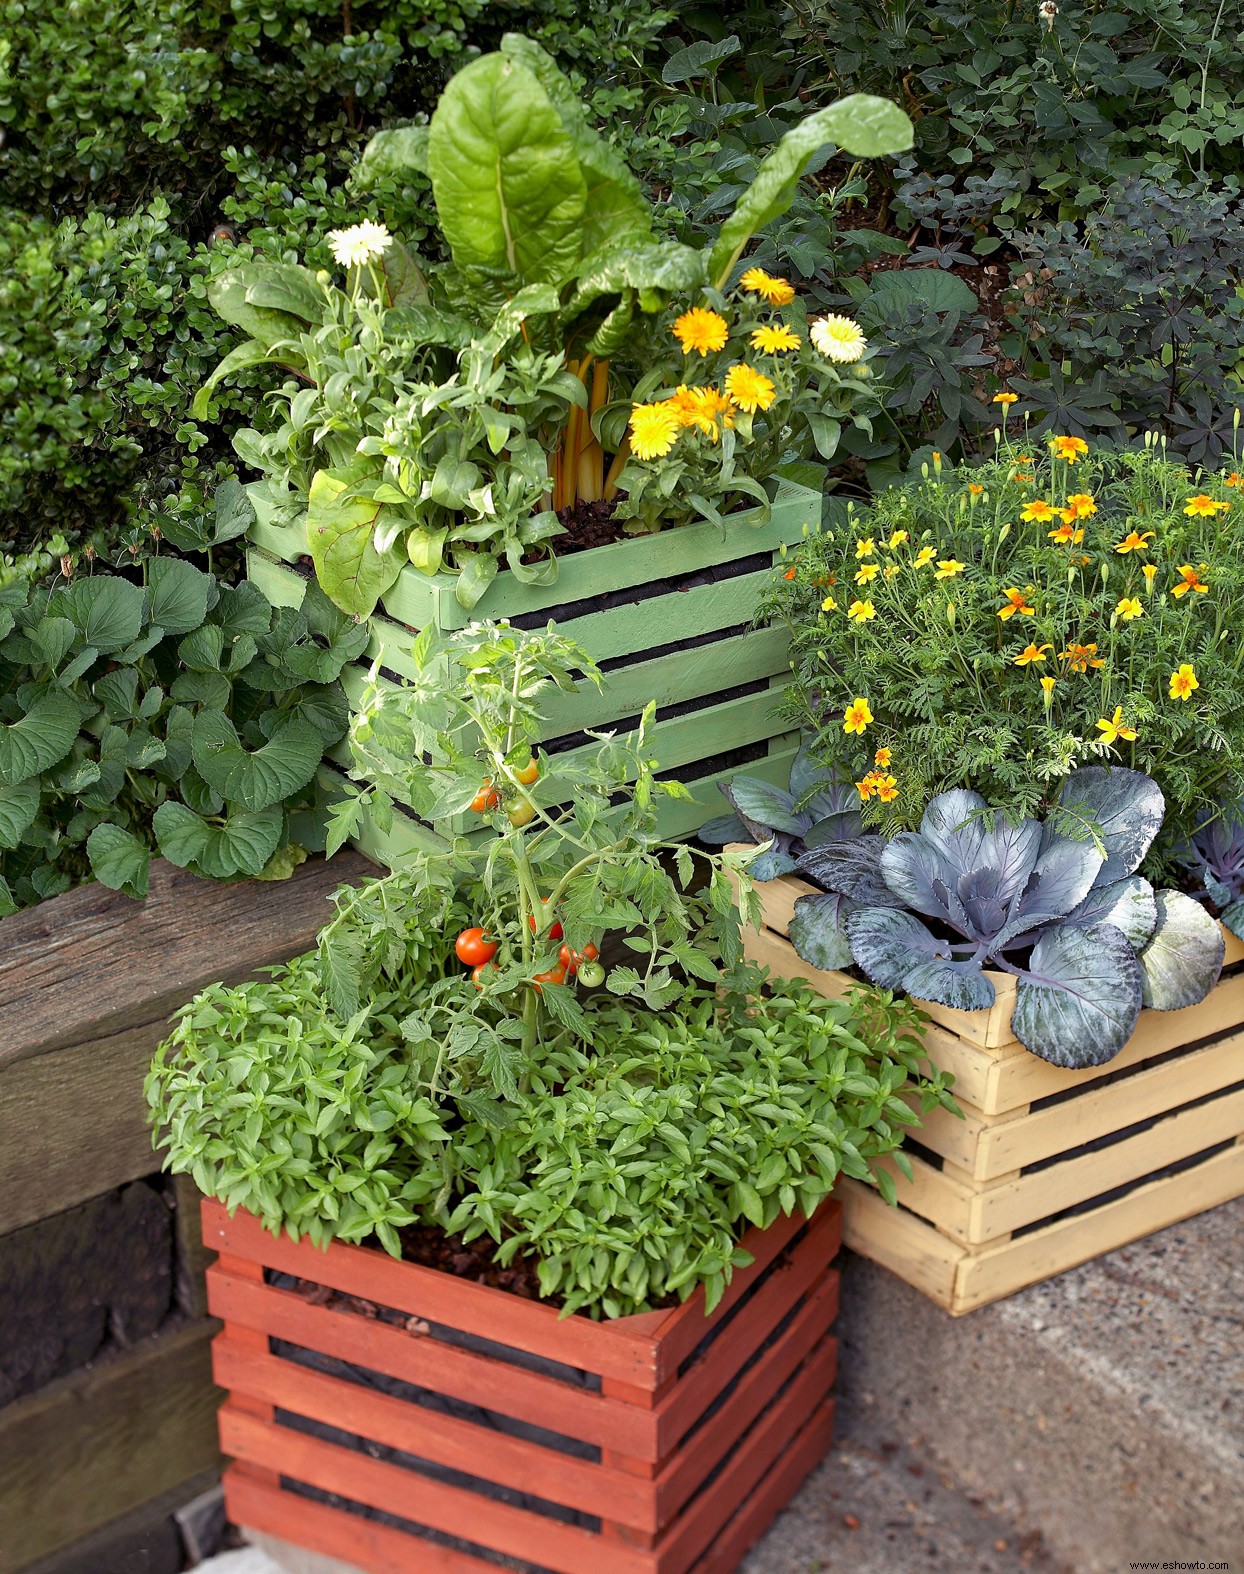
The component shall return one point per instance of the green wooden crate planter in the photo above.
(627, 604)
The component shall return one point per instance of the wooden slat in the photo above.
(1000, 1270)
(603, 1347)
(91, 1446)
(805, 1340)
(435, 1504)
(1028, 1198)
(90, 963)
(426, 1362)
(771, 1496)
(935, 1195)
(1011, 1144)
(444, 1439)
(899, 1241)
(252, 1502)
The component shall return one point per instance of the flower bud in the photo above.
(1105, 573)
(1004, 533)
(950, 613)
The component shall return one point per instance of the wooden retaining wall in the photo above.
(110, 1405)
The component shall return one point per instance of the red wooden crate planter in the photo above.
(654, 1444)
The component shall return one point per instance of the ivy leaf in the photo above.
(44, 735)
(119, 860)
(241, 846)
(255, 780)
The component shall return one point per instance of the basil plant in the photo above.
(1058, 905)
(434, 414)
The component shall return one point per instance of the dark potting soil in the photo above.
(474, 1260)
(588, 525)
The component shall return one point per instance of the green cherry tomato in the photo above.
(591, 975)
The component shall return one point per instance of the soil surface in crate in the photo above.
(588, 525)
(81, 1283)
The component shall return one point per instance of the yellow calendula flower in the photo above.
(861, 611)
(838, 338)
(705, 409)
(866, 548)
(887, 788)
(1081, 505)
(1134, 541)
(1149, 570)
(1039, 510)
(1005, 398)
(1191, 581)
(856, 716)
(1116, 728)
(701, 330)
(829, 605)
(772, 341)
(751, 390)
(948, 567)
(1047, 685)
(654, 427)
(776, 291)
(1082, 657)
(1068, 448)
(897, 539)
(1202, 506)
(1066, 535)
(1184, 682)
(1128, 608)
(866, 572)
(1016, 601)
(925, 555)
(1031, 653)
(882, 758)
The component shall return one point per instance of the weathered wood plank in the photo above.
(90, 963)
(93, 1445)
(144, 1541)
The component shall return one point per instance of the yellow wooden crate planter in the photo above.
(629, 605)
(1048, 1168)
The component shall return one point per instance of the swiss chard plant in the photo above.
(1058, 905)
(178, 715)
(441, 411)
(815, 809)
(1215, 857)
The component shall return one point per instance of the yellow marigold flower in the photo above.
(1191, 581)
(1031, 653)
(1039, 510)
(772, 341)
(750, 390)
(1204, 507)
(1082, 657)
(1081, 505)
(866, 572)
(653, 430)
(1047, 685)
(890, 570)
(948, 567)
(856, 716)
(1068, 448)
(1016, 601)
(1116, 728)
(702, 330)
(1234, 479)
(1066, 535)
(776, 291)
(1149, 570)
(1183, 682)
(867, 787)
(887, 789)
(1128, 608)
(897, 538)
(925, 555)
(865, 548)
(838, 338)
(861, 611)
(829, 605)
(1135, 542)
(975, 489)
(882, 758)
(1005, 398)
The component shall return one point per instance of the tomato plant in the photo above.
(486, 799)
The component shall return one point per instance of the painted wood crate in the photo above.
(1048, 1168)
(630, 605)
(400, 1418)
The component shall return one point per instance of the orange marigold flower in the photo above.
(1191, 581)
(1081, 505)
(1116, 728)
(1005, 398)
(1134, 541)
(1032, 653)
(1068, 448)
(1081, 657)
(1016, 601)
(1183, 682)
(1204, 507)
(1067, 535)
(856, 716)
(882, 758)
(1039, 510)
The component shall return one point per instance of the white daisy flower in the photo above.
(838, 338)
(360, 244)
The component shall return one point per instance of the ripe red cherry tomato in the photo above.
(477, 973)
(474, 948)
(571, 959)
(556, 932)
(556, 975)
(529, 772)
(486, 799)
